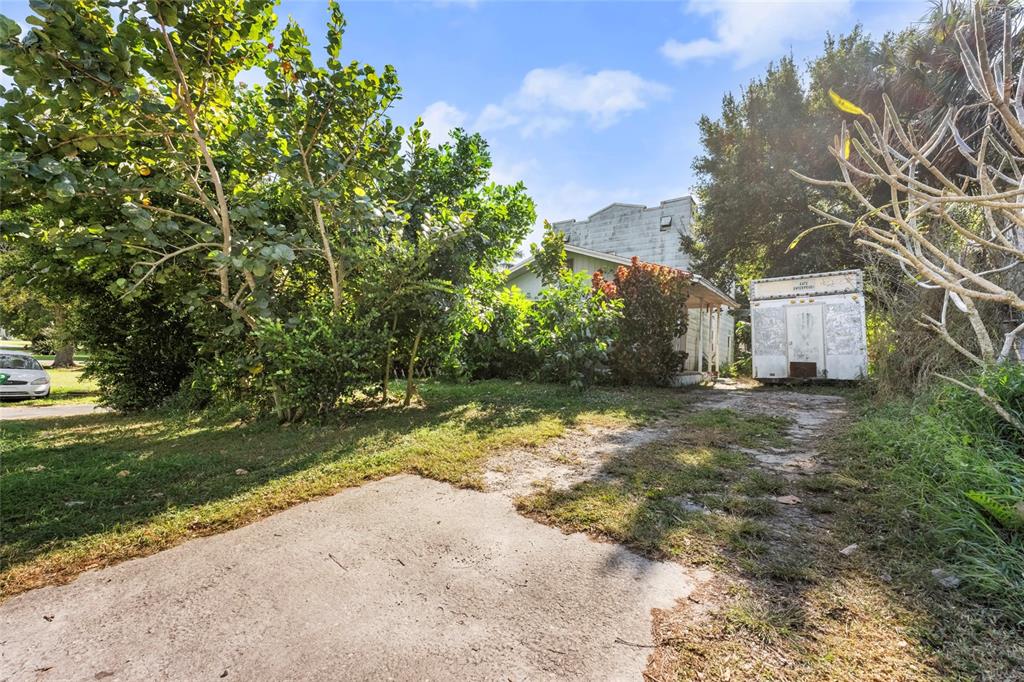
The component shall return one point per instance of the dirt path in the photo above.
(792, 527)
(813, 416)
(580, 454)
(577, 456)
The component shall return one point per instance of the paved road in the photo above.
(405, 578)
(22, 411)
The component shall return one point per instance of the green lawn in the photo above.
(88, 491)
(69, 385)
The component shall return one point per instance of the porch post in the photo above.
(718, 338)
(700, 338)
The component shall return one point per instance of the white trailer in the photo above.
(809, 326)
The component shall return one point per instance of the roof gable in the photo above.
(617, 208)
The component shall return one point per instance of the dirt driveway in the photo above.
(405, 578)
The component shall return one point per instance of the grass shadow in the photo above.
(136, 483)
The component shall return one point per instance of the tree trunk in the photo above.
(387, 360)
(65, 357)
(409, 385)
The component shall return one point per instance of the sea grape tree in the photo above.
(128, 118)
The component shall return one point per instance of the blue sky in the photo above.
(587, 102)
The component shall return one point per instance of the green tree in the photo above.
(752, 214)
(158, 159)
(242, 208)
(549, 257)
(751, 207)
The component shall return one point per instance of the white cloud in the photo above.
(507, 172)
(752, 30)
(549, 100)
(494, 117)
(439, 118)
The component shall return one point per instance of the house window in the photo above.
(666, 222)
(570, 264)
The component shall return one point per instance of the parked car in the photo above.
(21, 376)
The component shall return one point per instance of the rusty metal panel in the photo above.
(803, 370)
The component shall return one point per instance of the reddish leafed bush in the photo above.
(654, 314)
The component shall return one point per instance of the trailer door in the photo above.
(805, 333)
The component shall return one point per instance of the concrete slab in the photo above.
(405, 578)
(13, 412)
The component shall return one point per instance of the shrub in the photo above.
(492, 337)
(312, 363)
(573, 330)
(654, 315)
(141, 353)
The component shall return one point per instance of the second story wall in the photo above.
(627, 230)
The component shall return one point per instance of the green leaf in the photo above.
(8, 29)
(51, 165)
(1009, 517)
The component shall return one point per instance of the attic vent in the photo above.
(666, 222)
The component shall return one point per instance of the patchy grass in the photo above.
(786, 604)
(650, 499)
(91, 491)
(727, 427)
(757, 482)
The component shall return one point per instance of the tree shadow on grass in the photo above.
(67, 479)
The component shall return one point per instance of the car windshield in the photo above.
(8, 361)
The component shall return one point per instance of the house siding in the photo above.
(531, 285)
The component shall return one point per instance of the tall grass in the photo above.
(922, 458)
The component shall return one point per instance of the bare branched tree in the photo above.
(963, 234)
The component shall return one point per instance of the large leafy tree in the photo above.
(118, 119)
(176, 183)
(751, 207)
(753, 219)
(128, 117)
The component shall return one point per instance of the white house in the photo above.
(613, 235)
